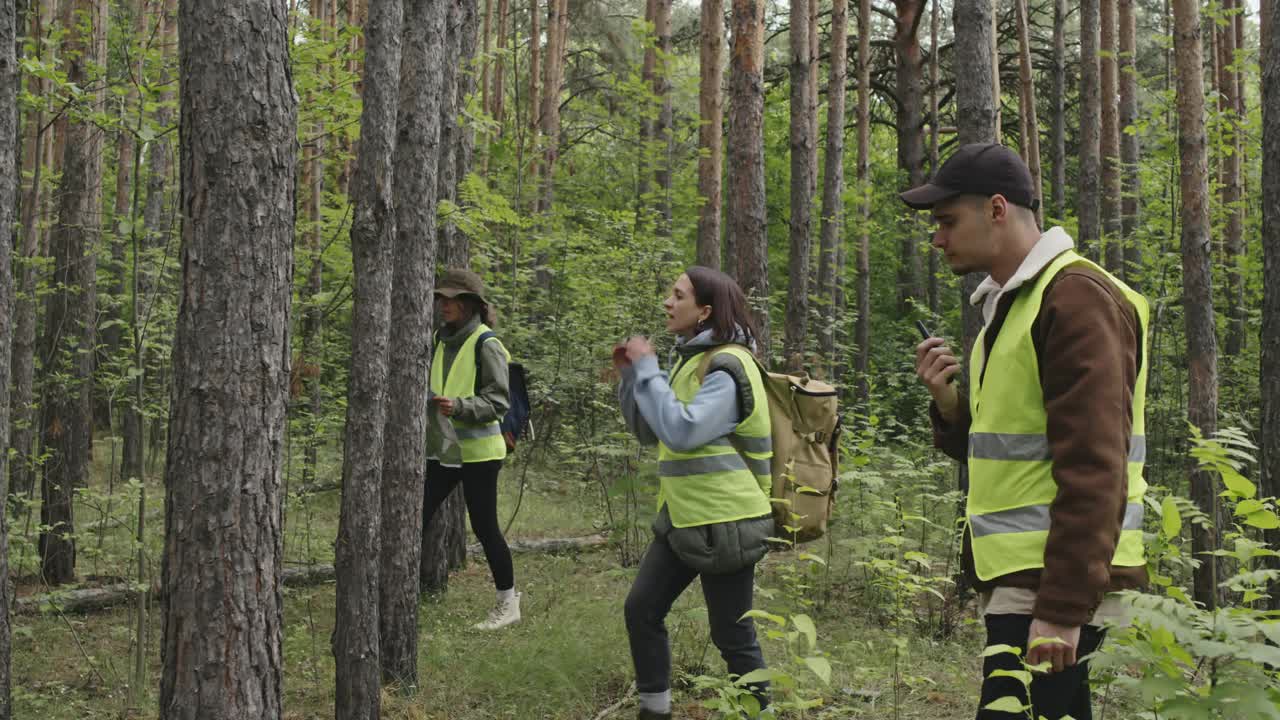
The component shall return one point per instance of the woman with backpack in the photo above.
(467, 400)
(710, 420)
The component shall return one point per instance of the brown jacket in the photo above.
(1086, 340)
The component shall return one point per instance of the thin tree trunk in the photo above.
(1229, 169)
(1129, 147)
(66, 413)
(995, 69)
(935, 299)
(1058, 146)
(644, 144)
(459, 246)
(313, 186)
(1087, 198)
(22, 427)
(553, 81)
(831, 229)
(862, 289)
(1027, 112)
(223, 610)
(500, 69)
(711, 114)
(666, 117)
(1110, 138)
(535, 44)
(486, 50)
(801, 230)
(450, 108)
(747, 224)
(1269, 365)
(9, 186)
(1197, 306)
(368, 643)
(976, 118)
(910, 124)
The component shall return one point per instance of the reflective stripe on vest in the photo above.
(1011, 485)
(1031, 446)
(479, 442)
(728, 478)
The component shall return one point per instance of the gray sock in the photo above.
(659, 702)
(506, 595)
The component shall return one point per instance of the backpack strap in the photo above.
(480, 341)
(746, 399)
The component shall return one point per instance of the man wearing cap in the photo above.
(1051, 428)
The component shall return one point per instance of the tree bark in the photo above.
(223, 609)
(22, 408)
(910, 124)
(1110, 139)
(553, 81)
(1269, 365)
(1027, 112)
(1087, 198)
(1129, 148)
(1229, 176)
(459, 245)
(500, 69)
(665, 145)
(746, 163)
(862, 289)
(711, 114)
(457, 142)
(9, 185)
(976, 119)
(368, 645)
(1058, 146)
(644, 144)
(1197, 306)
(801, 231)
(935, 299)
(66, 420)
(831, 228)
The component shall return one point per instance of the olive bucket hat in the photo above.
(461, 282)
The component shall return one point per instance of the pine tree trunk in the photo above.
(451, 71)
(1129, 147)
(66, 420)
(746, 163)
(910, 124)
(9, 186)
(1027, 112)
(500, 69)
(666, 117)
(553, 81)
(862, 289)
(1197, 306)
(1229, 169)
(313, 177)
(831, 228)
(801, 231)
(996, 97)
(976, 119)
(1058, 146)
(935, 292)
(223, 609)
(1269, 366)
(370, 639)
(22, 408)
(535, 45)
(459, 245)
(1087, 198)
(711, 114)
(644, 143)
(1110, 137)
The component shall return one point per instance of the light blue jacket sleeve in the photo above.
(631, 413)
(712, 414)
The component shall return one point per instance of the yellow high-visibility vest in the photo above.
(1010, 467)
(479, 442)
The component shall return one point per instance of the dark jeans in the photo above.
(480, 490)
(1052, 695)
(661, 580)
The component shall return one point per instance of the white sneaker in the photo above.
(503, 614)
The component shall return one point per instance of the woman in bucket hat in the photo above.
(467, 399)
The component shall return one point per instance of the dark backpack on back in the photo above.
(516, 422)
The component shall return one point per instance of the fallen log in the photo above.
(81, 600)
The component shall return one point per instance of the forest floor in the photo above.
(567, 659)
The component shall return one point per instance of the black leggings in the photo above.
(480, 489)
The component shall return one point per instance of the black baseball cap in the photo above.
(977, 169)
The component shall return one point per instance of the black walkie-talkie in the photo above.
(925, 335)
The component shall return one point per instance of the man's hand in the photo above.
(637, 347)
(936, 364)
(445, 405)
(1062, 654)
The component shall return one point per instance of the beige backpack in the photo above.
(805, 433)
